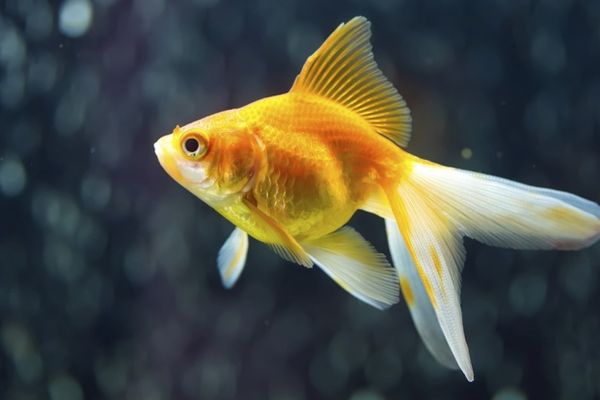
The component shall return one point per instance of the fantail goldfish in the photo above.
(290, 170)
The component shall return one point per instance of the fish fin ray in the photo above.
(356, 266)
(504, 213)
(287, 247)
(232, 257)
(288, 254)
(418, 302)
(438, 253)
(343, 70)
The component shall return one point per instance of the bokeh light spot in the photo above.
(466, 153)
(509, 394)
(13, 177)
(75, 17)
(64, 387)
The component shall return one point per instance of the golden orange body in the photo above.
(291, 170)
(322, 161)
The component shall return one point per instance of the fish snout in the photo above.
(157, 149)
(161, 146)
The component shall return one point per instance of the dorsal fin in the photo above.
(343, 70)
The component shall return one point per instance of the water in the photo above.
(108, 284)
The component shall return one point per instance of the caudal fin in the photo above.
(504, 213)
(433, 207)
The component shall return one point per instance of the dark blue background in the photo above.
(108, 284)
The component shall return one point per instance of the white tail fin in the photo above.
(503, 213)
(435, 206)
(417, 300)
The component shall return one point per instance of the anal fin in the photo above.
(356, 266)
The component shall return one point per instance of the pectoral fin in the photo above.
(355, 265)
(287, 247)
(232, 257)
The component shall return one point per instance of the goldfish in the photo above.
(290, 170)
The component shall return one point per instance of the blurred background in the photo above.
(108, 280)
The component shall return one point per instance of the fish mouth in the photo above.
(158, 149)
(165, 156)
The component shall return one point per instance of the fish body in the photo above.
(291, 170)
(316, 164)
(321, 162)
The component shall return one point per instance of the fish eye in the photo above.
(194, 146)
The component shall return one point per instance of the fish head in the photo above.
(216, 158)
